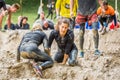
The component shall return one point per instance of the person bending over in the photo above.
(28, 49)
(10, 10)
(105, 16)
(48, 24)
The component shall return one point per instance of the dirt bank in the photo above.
(105, 67)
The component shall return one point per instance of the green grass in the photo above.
(30, 7)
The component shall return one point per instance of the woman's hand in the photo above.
(65, 59)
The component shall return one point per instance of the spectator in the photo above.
(40, 10)
(41, 20)
(106, 15)
(12, 26)
(45, 23)
(50, 6)
(24, 24)
(19, 20)
(48, 24)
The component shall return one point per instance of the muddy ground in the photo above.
(91, 67)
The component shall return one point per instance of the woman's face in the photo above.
(63, 29)
(24, 21)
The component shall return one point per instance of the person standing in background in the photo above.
(87, 12)
(63, 10)
(40, 10)
(50, 6)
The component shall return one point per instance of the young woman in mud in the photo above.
(28, 49)
(64, 37)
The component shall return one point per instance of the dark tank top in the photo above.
(87, 7)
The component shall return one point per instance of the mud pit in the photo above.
(106, 67)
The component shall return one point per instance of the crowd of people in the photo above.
(105, 14)
(22, 24)
(69, 13)
(8, 10)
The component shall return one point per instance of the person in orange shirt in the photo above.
(105, 15)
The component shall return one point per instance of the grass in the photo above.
(30, 7)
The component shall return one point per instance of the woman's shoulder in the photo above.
(70, 34)
(54, 32)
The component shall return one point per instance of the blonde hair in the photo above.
(36, 27)
(16, 5)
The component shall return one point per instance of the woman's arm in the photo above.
(71, 8)
(69, 43)
(65, 58)
(18, 50)
(68, 47)
(51, 38)
(45, 45)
